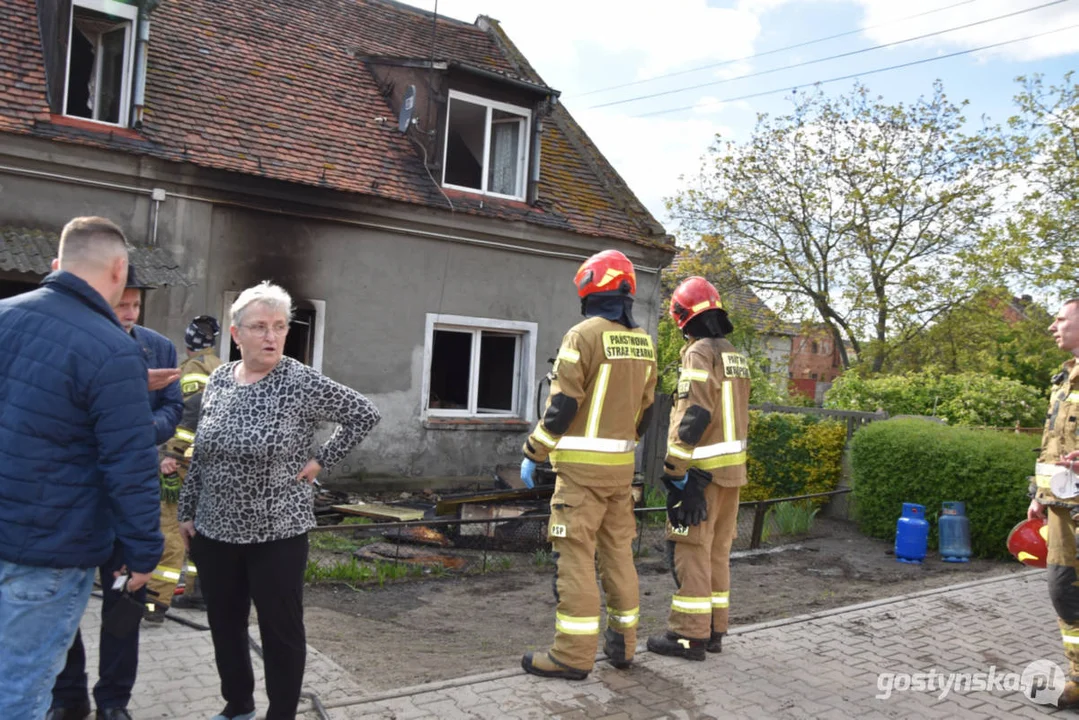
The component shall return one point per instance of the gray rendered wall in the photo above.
(378, 287)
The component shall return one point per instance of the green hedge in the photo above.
(791, 454)
(918, 461)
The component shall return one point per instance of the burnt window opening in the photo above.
(99, 61)
(451, 368)
(474, 372)
(303, 339)
(486, 146)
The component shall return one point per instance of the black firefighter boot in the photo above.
(546, 666)
(614, 647)
(1069, 699)
(675, 645)
(715, 642)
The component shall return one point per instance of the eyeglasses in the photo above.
(264, 330)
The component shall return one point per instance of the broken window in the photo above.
(486, 146)
(474, 372)
(477, 367)
(99, 62)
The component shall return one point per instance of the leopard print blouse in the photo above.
(254, 439)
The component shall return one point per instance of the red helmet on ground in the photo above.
(1027, 542)
(607, 272)
(693, 296)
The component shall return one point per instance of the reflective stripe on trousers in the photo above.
(576, 625)
(691, 605)
(623, 620)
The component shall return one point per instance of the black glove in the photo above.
(686, 505)
(694, 506)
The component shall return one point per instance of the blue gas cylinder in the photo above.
(954, 530)
(911, 534)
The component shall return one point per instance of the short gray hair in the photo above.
(265, 293)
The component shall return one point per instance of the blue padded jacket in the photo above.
(78, 465)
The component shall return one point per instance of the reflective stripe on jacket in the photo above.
(710, 418)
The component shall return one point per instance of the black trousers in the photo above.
(118, 658)
(271, 575)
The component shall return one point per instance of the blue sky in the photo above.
(580, 46)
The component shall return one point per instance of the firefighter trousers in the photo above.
(167, 573)
(1062, 566)
(701, 565)
(586, 521)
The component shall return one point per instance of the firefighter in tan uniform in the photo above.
(703, 471)
(600, 402)
(1056, 493)
(176, 457)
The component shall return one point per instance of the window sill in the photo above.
(455, 423)
(94, 126)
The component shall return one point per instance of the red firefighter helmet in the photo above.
(693, 296)
(607, 271)
(1027, 542)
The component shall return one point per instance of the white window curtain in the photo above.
(502, 174)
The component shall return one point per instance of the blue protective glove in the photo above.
(528, 469)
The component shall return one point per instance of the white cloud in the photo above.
(651, 153)
(656, 36)
(1050, 18)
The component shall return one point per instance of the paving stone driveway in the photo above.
(853, 662)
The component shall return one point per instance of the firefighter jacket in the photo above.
(194, 374)
(602, 390)
(1060, 435)
(710, 418)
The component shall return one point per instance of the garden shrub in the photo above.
(918, 461)
(792, 454)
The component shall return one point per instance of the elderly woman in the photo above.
(247, 502)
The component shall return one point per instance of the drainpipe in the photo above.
(142, 43)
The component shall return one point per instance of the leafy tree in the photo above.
(962, 399)
(857, 211)
(986, 335)
(1041, 240)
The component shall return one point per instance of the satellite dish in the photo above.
(405, 116)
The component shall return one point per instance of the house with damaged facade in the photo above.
(411, 180)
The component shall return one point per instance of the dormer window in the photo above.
(486, 147)
(100, 56)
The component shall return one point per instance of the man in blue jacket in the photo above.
(118, 657)
(78, 463)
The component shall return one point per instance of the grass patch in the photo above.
(792, 518)
(543, 558)
(654, 496)
(333, 542)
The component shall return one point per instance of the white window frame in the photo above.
(118, 9)
(319, 330)
(522, 160)
(524, 373)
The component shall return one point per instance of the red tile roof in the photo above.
(275, 89)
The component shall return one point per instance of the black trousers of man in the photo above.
(271, 575)
(118, 659)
